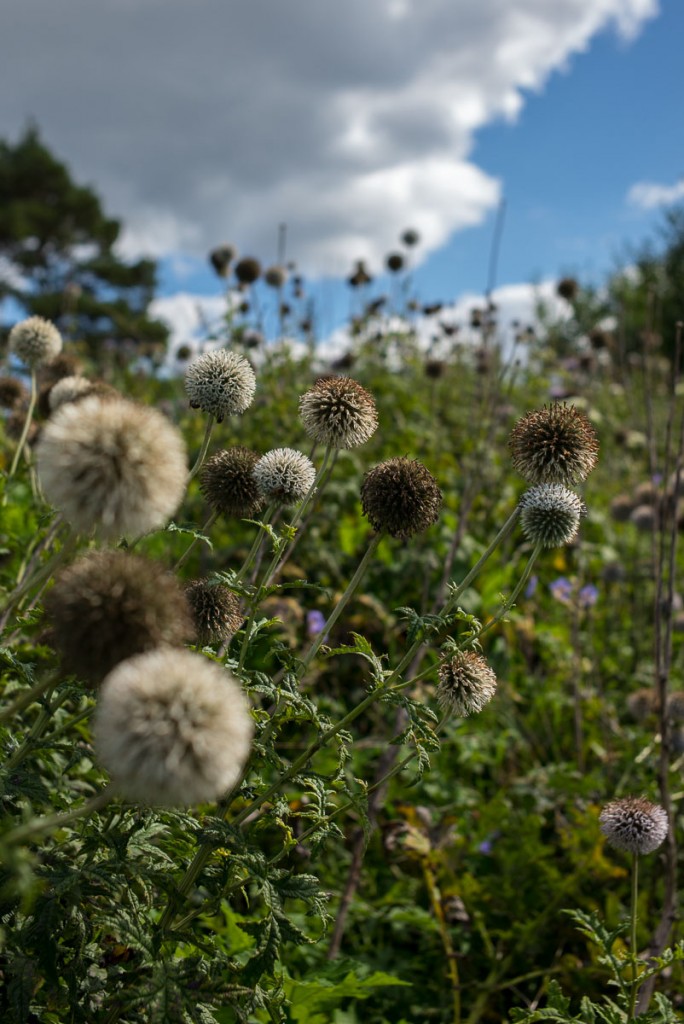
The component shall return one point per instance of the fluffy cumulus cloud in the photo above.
(649, 195)
(221, 119)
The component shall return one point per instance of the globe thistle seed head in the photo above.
(172, 728)
(221, 258)
(642, 703)
(634, 824)
(66, 390)
(567, 288)
(275, 276)
(550, 515)
(644, 517)
(284, 476)
(339, 412)
(215, 610)
(228, 483)
(248, 270)
(400, 497)
(12, 393)
(466, 683)
(221, 383)
(554, 445)
(675, 706)
(394, 262)
(35, 341)
(621, 508)
(410, 237)
(64, 365)
(112, 466)
(109, 606)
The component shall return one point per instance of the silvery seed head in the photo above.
(66, 390)
(339, 412)
(172, 728)
(284, 476)
(634, 824)
(221, 383)
(35, 341)
(228, 483)
(111, 466)
(216, 611)
(550, 514)
(400, 497)
(554, 445)
(466, 683)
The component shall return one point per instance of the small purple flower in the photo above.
(588, 596)
(562, 589)
(315, 621)
(531, 586)
(485, 846)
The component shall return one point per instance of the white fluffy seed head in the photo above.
(172, 728)
(339, 412)
(35, 341)
(284, 476)
(634, 824)
(221, 383)
(67, 389)
(112, 466)
(550, 514)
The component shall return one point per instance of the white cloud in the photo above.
(190, 318)
(648, 194)
(220, 119)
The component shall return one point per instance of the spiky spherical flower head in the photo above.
(35, 341)
(248, 270)
(275, 276)
(221, 258)
(400, 497)
(567, 288)
(109, 606)
(221, 383)
(215, 610)
(554, 445)
(394, 262)
(66, 390)
(172, 728)
(228, 483)
(12, 393)
(284, 476)
(64, 365)
(339, 412)
(410, 237)
(550, 515)
(466, 683)
(634, 824)
(112, 466)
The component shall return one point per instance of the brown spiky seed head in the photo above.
(12, 393)
(248, 270)
(64, 365)
(35, 341)
(394, 262)
(567, 288)
(400, 497)
(634, 824)
(216, 611)
(221, 383)
(110, 605)
(339, 412)
(275, 276)
(466, 683)
(554, 445)
(221, 258)
(550, 515)
(228, 483)
(642, 703)
(410, 237)
(173, 728)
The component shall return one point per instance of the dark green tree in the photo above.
(59, 256)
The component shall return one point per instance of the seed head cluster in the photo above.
(215, 610)
(112, 466)
(172, 728)
(634, 824)
(284, 476)
(466, 683)
(554, 445)
(35, 341)
(109, 606)
(339, 412)
(400, 497)
(550, 515)
(220, 383)
(228, 483)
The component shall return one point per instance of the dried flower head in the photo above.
(675, 706)
(284, 476)
(644, 517)
(400, 497)
(221, 258)
(35, 341)
(567, 288)
(216, 611)
(221, 383)
(360, 275)
(247, 270)
(66, 364)
(228, 483)
(275, 276)
(550, 515)
(634, 824)
(12, 393)
(66, 390)
(109, 606)
(172, 728)
(112, 466)
(466, 683)
(339, 412)
(394, 262)
(554, 445)
(621, 508)
(410, 237)
(642, 703)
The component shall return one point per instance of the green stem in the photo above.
(204, 449)
(27, 697)
(256, 545)
(508, 604)
(39, 826)
(26, 428)
(184, 557)
(35, 732)
(633, 936)
(501, 536)
(40, 576)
